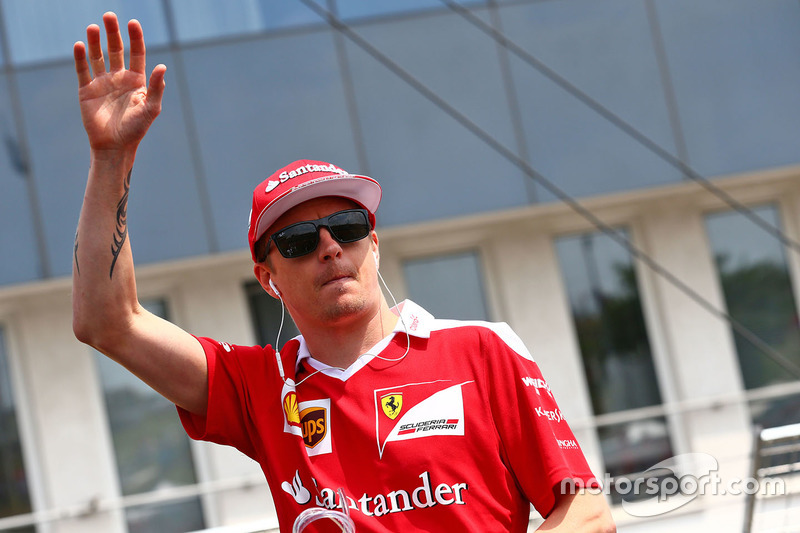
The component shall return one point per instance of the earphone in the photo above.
(375, 257)
(274, 288)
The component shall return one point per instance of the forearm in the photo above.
(580, 513)
(104, 286)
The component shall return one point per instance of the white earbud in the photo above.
(274, 288)
(375, 257)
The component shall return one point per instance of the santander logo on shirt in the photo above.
(418, 410)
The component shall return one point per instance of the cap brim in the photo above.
(361, 189)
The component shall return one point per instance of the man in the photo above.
(405, 422)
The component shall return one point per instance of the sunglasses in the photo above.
(302, 238)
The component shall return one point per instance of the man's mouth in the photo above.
(329, 279)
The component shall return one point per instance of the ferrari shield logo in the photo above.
(392, 404)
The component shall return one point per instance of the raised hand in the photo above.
(117, 106)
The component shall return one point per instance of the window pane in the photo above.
(606, 309)
(606, 50)
(151, 448)
(429, 165)
(164, 215)
(758, 292)
(448, 286)
(15, 204)
(41, 30)
(289, 107)
(735, 68)
(266, 314)
(14, 497)
(203, 19)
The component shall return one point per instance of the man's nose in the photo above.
(328, 247)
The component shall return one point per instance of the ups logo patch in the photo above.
(314, 426)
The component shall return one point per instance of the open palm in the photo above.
(118, 106)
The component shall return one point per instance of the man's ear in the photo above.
(374, 248)
(264, 277)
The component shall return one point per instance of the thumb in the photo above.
(155, 89)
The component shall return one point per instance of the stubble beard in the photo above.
(346, 305)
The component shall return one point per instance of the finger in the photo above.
(95, 50)
(116, 48)
(138, 55)
(155, 89)
(81, 65)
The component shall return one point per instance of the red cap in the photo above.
(303, 180)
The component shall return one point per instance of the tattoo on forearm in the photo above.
(122, 224)
(75, 254)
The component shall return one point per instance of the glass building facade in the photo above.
(254, 84)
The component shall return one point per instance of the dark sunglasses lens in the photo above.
(349, 226)
(297, 240)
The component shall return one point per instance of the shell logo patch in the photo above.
(392, 404)
(291, 410)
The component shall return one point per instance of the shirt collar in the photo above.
(412, 316)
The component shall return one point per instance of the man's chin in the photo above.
(345, 306)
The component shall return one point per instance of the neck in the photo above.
(341, 344)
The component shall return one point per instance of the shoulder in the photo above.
(497, 335)
(241, 354)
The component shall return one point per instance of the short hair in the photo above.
(260, 249)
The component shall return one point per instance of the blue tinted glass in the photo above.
(429, 165)
(449, 286)
(735, 65)
(203, 19)
(606, 50)
(364, 8)
(14, 497)
(42, 29)
(758, 292)
(164, 215)
(18, 244)
(607, 314)
(252, 121)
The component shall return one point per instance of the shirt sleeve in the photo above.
(537, 444)
(227, 419)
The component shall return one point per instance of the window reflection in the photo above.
(606, 308)
(265, 312)
(601, 284)
(448, 286)
(758, 292)
(151, 448)
(40, 30)
(14, 497)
